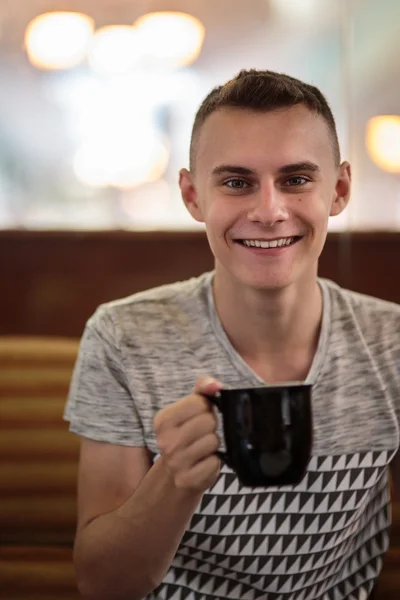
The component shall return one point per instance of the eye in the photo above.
(236, 184)
(296, 181)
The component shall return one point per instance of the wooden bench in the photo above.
(38, 467)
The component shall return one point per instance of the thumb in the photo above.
(207, 385)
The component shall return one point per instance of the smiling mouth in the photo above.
(266, 244)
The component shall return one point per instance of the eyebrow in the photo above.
(285, 169)
(232, 169)
(300, 166)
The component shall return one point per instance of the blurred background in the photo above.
(97, 100)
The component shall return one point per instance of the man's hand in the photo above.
(187, 439)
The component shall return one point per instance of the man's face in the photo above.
(265, 179)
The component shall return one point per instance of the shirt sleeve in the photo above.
(100, 405)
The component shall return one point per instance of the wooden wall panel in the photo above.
(51, 282)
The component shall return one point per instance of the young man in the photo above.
(159, 516)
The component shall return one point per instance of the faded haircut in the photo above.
(264, 91)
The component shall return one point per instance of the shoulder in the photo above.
(374, 316)
(152, 312)
(361, 302)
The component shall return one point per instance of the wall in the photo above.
(52, 281)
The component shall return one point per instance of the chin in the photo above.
(265, 281)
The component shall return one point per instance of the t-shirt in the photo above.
(324, 538)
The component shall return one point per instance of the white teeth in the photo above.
(271, 244)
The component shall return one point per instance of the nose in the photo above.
(269, 206)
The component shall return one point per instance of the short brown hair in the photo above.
(264, 91)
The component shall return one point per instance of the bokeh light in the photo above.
(121, 160)
(170, 39)
(114, 50)
(383, 142)
(58, 40)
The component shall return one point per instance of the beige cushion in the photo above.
(37, 573)
(38, 456)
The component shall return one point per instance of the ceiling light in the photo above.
(383, 142)
(114, 50)
(58, 40)
(171, 39)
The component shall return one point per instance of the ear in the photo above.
(189, 194)
(342, 190)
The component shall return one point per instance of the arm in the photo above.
(131, 515)
(128, 526)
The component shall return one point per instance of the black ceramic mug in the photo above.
(268, 432)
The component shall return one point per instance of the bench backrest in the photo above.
(38, 456)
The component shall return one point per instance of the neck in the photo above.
(271, 327)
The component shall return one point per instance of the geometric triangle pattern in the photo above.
(324, 539)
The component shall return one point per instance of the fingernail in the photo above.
(211, 380)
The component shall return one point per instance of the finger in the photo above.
(202, 475)
(207, 385)
(176, 440)
(196, 428)
(188, 407)
(203, 448)
(180, 411)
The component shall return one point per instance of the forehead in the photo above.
(263, 139)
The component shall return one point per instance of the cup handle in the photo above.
(215, 400)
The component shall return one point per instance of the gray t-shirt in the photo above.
(322, 539)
